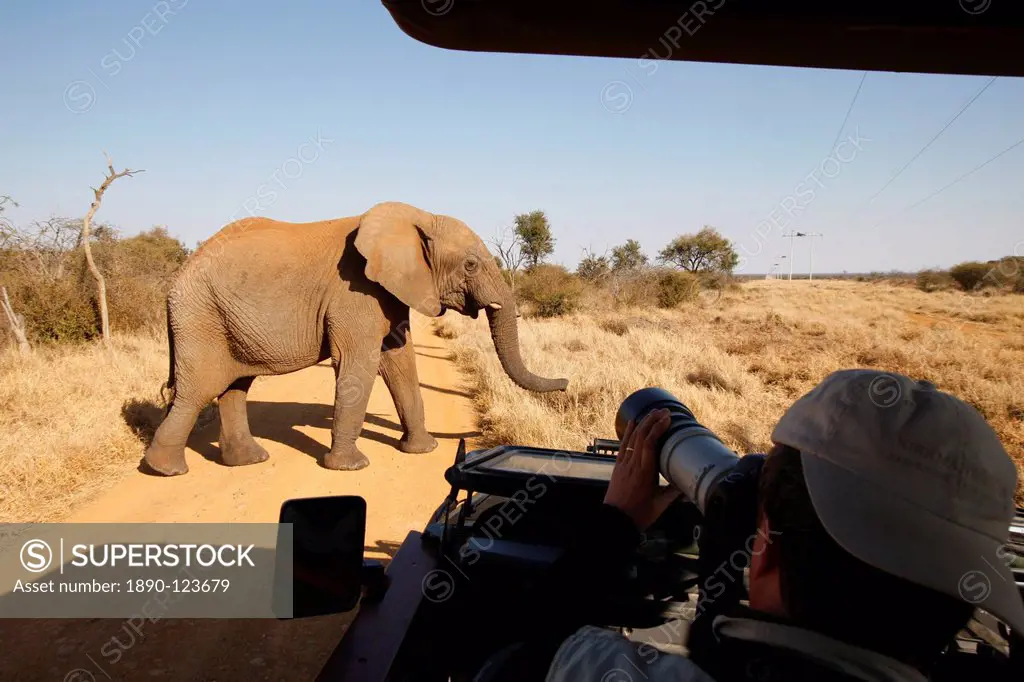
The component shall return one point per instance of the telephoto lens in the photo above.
(690, 456)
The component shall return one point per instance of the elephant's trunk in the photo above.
(505, 334)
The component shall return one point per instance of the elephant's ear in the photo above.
(396, 248)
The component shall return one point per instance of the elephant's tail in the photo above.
(167, 389)
(167, 396)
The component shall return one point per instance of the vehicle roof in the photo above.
(971, 37)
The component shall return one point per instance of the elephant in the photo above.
(263, 297)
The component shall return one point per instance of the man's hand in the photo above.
(634, 484)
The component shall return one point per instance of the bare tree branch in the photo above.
(44, 247)
(510, 252)
(17, 323)
(101, 285)
(7, 230)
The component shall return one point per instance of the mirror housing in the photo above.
(328, 539)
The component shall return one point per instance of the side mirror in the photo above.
(328, 535)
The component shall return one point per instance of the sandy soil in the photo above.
(290, 416)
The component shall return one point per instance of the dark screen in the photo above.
(328, 534)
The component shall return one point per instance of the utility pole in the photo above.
(774, 274)
(792, 240)
(810, 270)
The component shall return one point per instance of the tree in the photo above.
(16, 322)
(510, 256)
(593, 268)
(8, 236)
(101, 285)
(628, 256)
(706, 251)
(534, 232)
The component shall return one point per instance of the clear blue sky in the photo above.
(213, 100)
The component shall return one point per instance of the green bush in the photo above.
(933, 280)
(971, 275)
(551, 291)
(675, 288)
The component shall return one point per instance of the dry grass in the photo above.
(64, 414)
(740, 361)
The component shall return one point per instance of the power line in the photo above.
(847, 117)
(950, 184)
(963, 108)
(839, 133)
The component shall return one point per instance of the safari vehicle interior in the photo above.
(437, 612)
(425, 618)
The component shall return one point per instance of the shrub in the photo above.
(443, 329)
(1018, 283)
(556, 304)
(675, 288)
(614, 326)
(715, 280)
(634, 288)
(970, 275)
(139, 271)
(1005, 271)
(59, 311)
(575, 346)
(552, 290)
(52, 288)
(933, 280)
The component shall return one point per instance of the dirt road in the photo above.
(290, 416)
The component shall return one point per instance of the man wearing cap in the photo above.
(883, 510)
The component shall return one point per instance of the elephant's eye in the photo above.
(472, 264)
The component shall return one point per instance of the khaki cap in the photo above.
(912, 481)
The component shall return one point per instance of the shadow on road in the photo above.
(386, 547)
(377, 420)
(434, 357)
(273, 421)
(446, 391)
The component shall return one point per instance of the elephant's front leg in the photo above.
(355, 370)
(398, 368)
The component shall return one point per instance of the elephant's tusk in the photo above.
(494, 306)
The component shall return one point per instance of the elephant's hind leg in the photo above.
(237, 446)
(166, 454)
